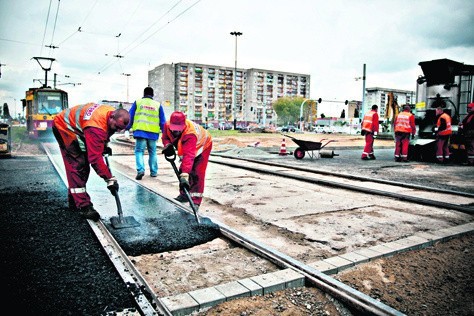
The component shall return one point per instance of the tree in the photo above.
(288, 109)
(6, 112)
(343, 114)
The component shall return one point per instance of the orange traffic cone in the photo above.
(283, 148)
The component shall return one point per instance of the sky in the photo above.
(103, 49)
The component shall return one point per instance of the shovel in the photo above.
(119, 221)
(170, 156)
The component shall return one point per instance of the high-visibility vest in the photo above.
(402, 123)
(72, 121)
(368, 121)
(147, 116)
(448, 130)
(204, 139)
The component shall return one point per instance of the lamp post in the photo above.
(236, 34)
(127, 75)
(362, 109)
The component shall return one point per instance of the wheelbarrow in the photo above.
(312, 148)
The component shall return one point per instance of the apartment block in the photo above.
(380, 96)
(207, 93)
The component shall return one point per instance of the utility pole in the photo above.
(236, 34)
(1, 69)
(362, 108)
(127, 75)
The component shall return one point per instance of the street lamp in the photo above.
(235, 79)
(362, 110)
(127, 75)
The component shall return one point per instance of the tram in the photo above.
(41, 105)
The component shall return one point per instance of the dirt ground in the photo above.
(434, 281)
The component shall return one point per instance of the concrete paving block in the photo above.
(181, 304)
(324, 267)
(369, 253)
(411, 243)
(339, 262)
(386, 251)
(446, 233)
(269, 282)
(462, 229)
(233, 290)
(430, 237)
(207, 297)
(355, 257)
(395, 246)
(291, 277)
(254, 288)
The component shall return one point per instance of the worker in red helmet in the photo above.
(443, 131)
(82, 133)
(370, 128)
(466, 128)
(194, 145)
(404, 126)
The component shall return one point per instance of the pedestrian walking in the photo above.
(443, 131)
(147, 119)
(82, 133)
(404, 126)
(370, 129)
(466, 129)
(194, 145)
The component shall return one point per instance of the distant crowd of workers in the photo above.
(83, 133)
(405, 129)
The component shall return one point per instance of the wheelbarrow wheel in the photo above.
(299, 153)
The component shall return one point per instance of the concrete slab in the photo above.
(369, 253)
(385, 251)
(181, 304)
(339, 262)
(207, 297)
(431, 238)
(232, 290)
(292, 278)
(355, 257)
(269, 282)
(254, 288)
(324, 267)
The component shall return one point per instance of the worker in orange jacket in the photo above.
(82, 133)
(194, 145)
(466, 128)
(370, 128)
(404, 126)
(443, 131)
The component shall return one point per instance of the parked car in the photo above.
(289, 128)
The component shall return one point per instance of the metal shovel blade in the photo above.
(123, 222)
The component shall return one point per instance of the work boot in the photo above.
(365, 158)
(372, 157)
(89, 212)
(139, 176)
(181, 198)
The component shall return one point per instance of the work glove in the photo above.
(184, 181)
(375, 134)
(168, 151)
(107, 151)
(112, 185)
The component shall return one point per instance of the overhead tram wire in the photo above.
(45, 27)
(54, 28)
(169, 22)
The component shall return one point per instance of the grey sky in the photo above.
(330, 40)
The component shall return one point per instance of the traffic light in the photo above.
(346, 102)
(320, 100)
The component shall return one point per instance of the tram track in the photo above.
(141, 290)
(286, 171)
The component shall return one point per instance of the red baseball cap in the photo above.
(470, 105)
(177, 121)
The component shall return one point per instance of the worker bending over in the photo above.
(194, 145)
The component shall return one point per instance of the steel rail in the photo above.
(358, 300)
(398, 196)
(147, 302)
(351, 177)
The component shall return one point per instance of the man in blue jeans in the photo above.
(147, 119)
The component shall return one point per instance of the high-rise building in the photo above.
(206, 92)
